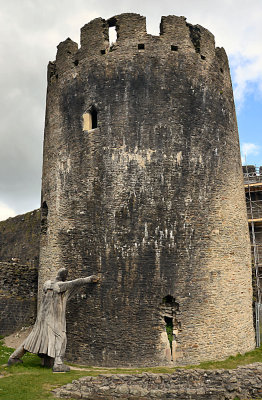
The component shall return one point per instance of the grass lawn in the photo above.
(31, 381)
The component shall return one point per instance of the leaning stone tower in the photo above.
(142, 182)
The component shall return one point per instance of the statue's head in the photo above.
(62, 274)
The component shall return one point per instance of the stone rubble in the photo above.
(241, 383)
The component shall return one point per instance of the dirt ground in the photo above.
(17, 338)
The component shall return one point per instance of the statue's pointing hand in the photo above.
(95, 278)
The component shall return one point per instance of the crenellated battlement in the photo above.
(94, 36)
(65, 52)
(176, 35)
(128, 26)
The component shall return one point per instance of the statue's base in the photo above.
(61, 368)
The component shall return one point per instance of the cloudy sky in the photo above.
(30, 30)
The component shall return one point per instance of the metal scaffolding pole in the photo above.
(255, 255)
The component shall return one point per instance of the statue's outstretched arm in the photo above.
(68, 285)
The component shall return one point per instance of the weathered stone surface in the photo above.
(242, 383)
(19, 261)
(152, 197)
(18, 296)
(19, 239)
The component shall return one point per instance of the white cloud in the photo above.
(249, 149)
(247, 76)
(6, 212)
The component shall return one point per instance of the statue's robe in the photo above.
(49, 332)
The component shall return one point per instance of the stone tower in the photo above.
(142, 182)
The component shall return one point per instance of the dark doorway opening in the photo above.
(171, 315)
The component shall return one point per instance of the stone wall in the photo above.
(19, 261)
(18, 296)
(152, 197)
(19, 239)
(242, 383)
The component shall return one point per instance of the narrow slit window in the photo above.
(90, 119)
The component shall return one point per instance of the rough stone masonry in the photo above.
(142, 182)
(196, 384)
(19, 263)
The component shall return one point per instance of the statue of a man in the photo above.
(48, 337)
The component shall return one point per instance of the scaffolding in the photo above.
(253, 189)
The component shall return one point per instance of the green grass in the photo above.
(234, 361)
(31, 381)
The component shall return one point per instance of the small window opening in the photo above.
(76, 62)
(174, 48)
(221, 70)
(141, 46)
(90, 119)
(103, 52)
(112, 35)
(169, 331)
(203, 57)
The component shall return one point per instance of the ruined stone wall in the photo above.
(151, 197)
(242, 383)
(19, 261)
(20, 237)
(18, 296)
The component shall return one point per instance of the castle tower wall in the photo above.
(142, 182)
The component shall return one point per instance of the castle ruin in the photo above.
(142, 182)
